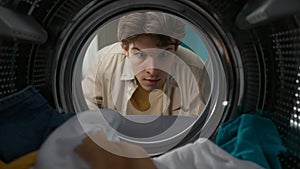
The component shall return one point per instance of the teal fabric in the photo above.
(252, 137)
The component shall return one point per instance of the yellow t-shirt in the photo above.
(24, 162)
(145, 103)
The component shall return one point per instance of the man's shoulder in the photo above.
(114, 48)
(189, 57)
(110, 53)
(109, 58)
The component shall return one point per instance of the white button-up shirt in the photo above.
(110, 82)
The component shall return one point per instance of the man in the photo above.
(147, 72)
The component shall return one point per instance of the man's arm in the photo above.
(113, 154)
(90, 83)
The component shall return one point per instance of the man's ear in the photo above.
(177, 42)
(176, 47)
(125, 48)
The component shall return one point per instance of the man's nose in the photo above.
(152, 70)
(151, 61)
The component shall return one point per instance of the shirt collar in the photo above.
(127, 73)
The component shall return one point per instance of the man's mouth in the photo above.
(151, 81)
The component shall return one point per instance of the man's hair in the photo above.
(158, 24)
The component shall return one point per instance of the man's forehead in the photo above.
(136, 45)
(139, 46)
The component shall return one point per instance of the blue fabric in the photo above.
(252, 137)
(26, 119)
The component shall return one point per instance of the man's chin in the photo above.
(149, 89)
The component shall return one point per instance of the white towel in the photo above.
(57, 152)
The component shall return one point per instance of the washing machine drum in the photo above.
(249, 59)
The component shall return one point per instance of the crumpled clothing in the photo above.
(26, 120)
(252, 137)
(58, 150)
(203, 153)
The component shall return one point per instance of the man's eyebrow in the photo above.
(135, 48)
(173, 43)
(170, 44)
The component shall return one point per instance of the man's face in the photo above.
(149, 62)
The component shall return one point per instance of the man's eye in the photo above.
(140, 54)
(165, 54)
(162, 54)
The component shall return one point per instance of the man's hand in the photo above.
(107, 154)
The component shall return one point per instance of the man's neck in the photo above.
(140, 99)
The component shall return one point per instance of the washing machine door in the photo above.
(249, 51)
(168, 131)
